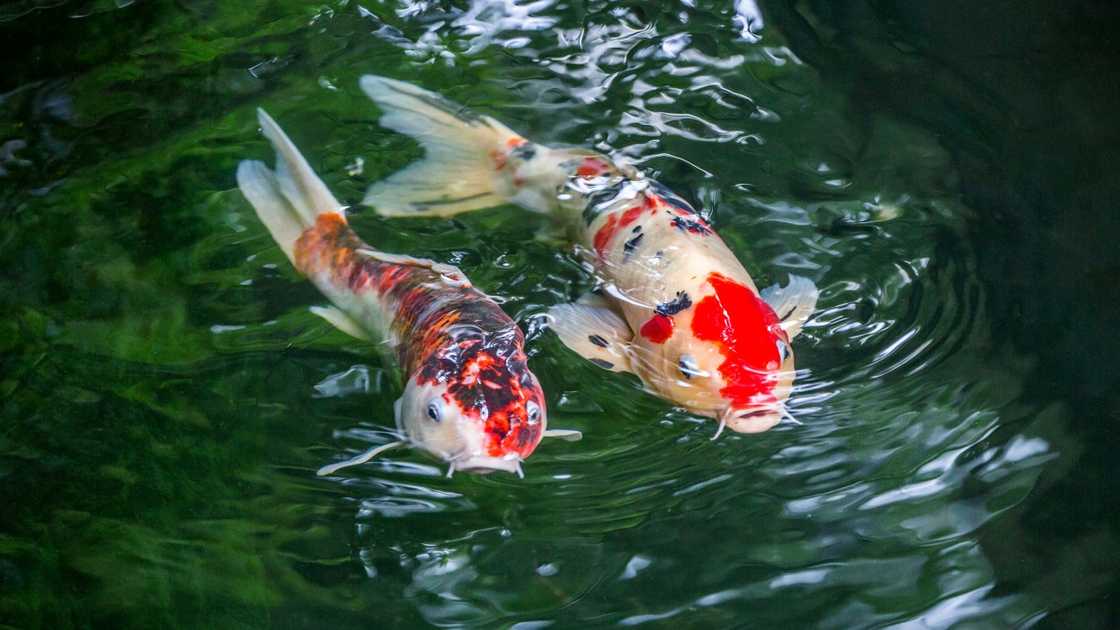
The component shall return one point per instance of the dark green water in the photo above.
(167, 396)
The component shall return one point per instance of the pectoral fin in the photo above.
(595, 332)
(793, 303)
(341, 321)
(568, 435)
(358, 459)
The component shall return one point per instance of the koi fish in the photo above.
(676, 307)
(470, 398)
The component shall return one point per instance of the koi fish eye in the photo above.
(688, 367)
(524, 152)
(435, 411)
(534, 412)
(783, 350)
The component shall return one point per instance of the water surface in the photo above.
(167, 396)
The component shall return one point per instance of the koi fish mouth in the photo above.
(753, 419)
(482, 464)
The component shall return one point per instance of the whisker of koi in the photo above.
(719, 430)
(359, 459)
(789, 416)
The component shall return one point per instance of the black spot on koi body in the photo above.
(597, 340)
(674, 306)
(632, 244)
(672, 198)
(524, 152)
(637, 228)
(606, 365)
(598, 200)
(696, 226)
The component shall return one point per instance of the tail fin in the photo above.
(288, 199)
(458, 174)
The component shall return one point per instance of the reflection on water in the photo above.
(168, 397)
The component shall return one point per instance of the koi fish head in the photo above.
(546, 179)
(725, 355)
(593, 181)
(475, 406)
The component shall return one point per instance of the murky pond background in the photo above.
(945, 172)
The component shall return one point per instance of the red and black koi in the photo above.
(470, 397)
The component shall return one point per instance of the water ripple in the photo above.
(161, 315)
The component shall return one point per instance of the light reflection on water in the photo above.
(914, 436)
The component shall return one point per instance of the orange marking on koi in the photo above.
(498, 158)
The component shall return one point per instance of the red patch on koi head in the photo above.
(658, 328)
(592, 167)
(747, 332)
(499, 394)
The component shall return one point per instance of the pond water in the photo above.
(940, 172)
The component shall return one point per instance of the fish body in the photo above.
(677, 308)
(462, 352)
(470, 398)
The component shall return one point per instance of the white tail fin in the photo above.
(457, 174)
(288, 199)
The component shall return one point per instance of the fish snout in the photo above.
(483, 464)
(752, 420)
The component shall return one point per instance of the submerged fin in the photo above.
(361, 458)
(457, 174)
(288, 199)
(568, 435)
(793, 303)
(341, 321)
(299, 183)
(592, 330)
(452, 274)
(259, 186)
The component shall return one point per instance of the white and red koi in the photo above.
(470, 398)
(676, 307)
